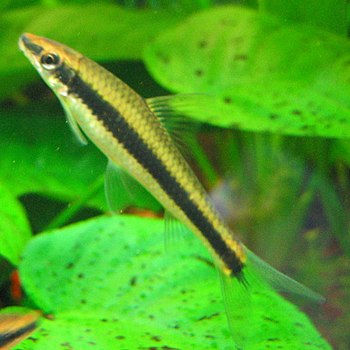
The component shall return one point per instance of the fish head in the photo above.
(56, 63)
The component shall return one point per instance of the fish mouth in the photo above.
(32, 51)
(26, 42)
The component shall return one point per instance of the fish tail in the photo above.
(259, 271)
(257, 283)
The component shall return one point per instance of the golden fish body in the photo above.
(126, 128)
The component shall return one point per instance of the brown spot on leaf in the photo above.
(240, 57)
(69, 266)
(156, 338)
(164, 58)
(202, 44)
(33, 339)
(161, 348)
(198, 72)
(209, 336)
(208, 317)
(269, 319)
(227, 100)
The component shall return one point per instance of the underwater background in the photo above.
(268, 138)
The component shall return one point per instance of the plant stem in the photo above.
(204, 162)
(65, 215)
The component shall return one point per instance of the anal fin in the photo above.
(174, 229)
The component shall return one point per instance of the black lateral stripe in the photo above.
(115, 123)
(64, 74)
(9, 336)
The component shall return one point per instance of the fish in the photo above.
(16, 326)
(132, 133)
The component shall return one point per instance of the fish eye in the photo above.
(50, 61)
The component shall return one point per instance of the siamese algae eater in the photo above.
(127, 129)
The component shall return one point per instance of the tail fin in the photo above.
(261, 270)
(251, 301)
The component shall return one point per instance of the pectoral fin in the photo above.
(72, 123)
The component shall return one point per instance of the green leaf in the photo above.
(41, 155)
(261, 74)
(14, 227)
(327, 14)
(100, 31)
(108, 284)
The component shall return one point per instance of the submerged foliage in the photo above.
(266, 76)
(108, 284)
(277, 86)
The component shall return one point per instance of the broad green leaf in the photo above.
(260, 74)
(14, 227)
(327, 14)
(100, 31)
(40, 155)
(108, 284)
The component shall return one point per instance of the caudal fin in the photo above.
(261, 270)
(252, 302)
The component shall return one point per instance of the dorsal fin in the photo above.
(177, 114)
